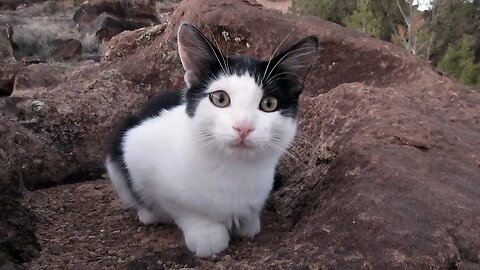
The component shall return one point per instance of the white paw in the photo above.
(248, 227)
(147, 217)
(207, 241)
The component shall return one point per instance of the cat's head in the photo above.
(242, 104)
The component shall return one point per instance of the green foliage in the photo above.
(384, 14)
(459, 62)
(332, 10)
(363, 19)
(388, 17)
(434, 35)
(450, 20)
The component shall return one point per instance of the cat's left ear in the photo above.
(197, 54)
(299, 58)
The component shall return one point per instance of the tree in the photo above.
(384, 12)
(363, 19)
(388, 16)
(459, 62)
(450, 20)
(415, 36)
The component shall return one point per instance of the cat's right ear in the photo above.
(197, 54)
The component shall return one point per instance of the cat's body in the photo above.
(205, 158)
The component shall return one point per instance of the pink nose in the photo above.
(243, 129)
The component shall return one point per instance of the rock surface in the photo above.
(385, 172)
(8, 64)
(42, 75)
(66, 49)
(17, 237)
(6, 50)
(107, 18)
(106, 26)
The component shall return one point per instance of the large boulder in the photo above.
(106, 18)
(70, 123)
(402, 185)
(8, 65)
(25, 157)
(66, 49)
(386, 170)
(7, 79)
(18, 243)
(6, 50)
(106, 26)
(43, 75)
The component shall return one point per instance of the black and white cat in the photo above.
(205, 158)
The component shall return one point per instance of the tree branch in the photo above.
(403, 14)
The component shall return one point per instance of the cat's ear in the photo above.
(299, 58)
(197, 53)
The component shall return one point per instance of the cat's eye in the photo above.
(268, 104)
(220, 98)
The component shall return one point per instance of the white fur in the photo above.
(186, 169)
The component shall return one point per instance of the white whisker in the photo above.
(303, 47)
(224, 68)
(275, 51)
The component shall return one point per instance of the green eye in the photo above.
(220, 98)
(268, 104)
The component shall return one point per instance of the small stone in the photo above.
(37, 105)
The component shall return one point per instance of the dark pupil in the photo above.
(269, 103)
(221, 98)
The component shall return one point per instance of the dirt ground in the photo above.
(83, 226)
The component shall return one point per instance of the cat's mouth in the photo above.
(241, 145)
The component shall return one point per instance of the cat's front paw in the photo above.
(207, 241)
(147, 217)
(248, 227)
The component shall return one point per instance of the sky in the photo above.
(423, 4)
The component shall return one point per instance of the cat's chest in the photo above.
(233, 189)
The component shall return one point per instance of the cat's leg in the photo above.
(248, 226)
(149, 217)
(146, 216)
(203, 236)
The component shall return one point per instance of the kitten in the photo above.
(205, 158)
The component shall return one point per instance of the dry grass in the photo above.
(92, 45)
(35, 37)
(35, 30)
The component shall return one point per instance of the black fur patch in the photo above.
(284, 87)
(152, 108)
(281, 77)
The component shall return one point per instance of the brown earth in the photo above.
(385, 172)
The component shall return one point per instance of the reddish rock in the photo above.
(66, 49)
(25, 159)
(6, 51)
(7, 85)
(71, 121)
(44, 75)
(8, 65)
(106, 26)
(111, 17)
(18, 243)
